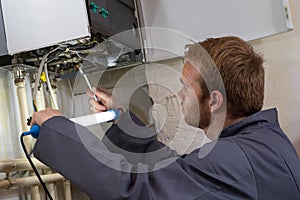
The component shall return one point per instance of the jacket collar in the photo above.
(260, 119)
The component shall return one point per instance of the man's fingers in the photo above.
(102, 97)
(103, 90)
(97, 109)
(40, 117)
(33, 119)
(96, 106)
(89, 93)
(102, 94)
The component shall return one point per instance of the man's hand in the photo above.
(40, 117)
(105, 98)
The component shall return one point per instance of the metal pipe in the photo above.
(29, 181)
(65, 61)
(20, 165)
(63, 54)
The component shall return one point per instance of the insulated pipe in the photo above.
(20, 165)
(51, 186)
(40, 98)
(67, 190)
(29, 181)
(41, 105)
(21, 93)
(52, 93)
(35, 192)
(53, 99)
(22, 98)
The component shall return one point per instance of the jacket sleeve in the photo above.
(81, 157)
(131, 134)
(84, 159)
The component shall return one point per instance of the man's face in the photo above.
(195, 107)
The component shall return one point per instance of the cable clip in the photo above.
(29, 121)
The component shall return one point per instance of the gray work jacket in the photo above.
(252, 159)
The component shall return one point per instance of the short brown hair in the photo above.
(242, 72)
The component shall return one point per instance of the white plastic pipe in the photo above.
(41, 105)
(21, 93)
(35, 193)
(29, 181)
(20, 165)
(67, 190)
(53, 99)
(40, 98)
(53, 96)
(51, 186)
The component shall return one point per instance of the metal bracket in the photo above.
(11, 181)
(287, 10)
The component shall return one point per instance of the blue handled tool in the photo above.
(34, 131)
(86, 120)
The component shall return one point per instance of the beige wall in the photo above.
(282, 55)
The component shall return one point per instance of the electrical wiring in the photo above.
(34, 168)
(111, 60)
(95, 64)
(72, 96)
(50, 88)
(83, 47)
(93, 48)
(18, 174)
(34, 106)
(38, 76)
(40, 70)
(50, 56)
(53, 54)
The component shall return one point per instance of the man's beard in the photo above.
(198, 117)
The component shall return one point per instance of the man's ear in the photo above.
(216, 101)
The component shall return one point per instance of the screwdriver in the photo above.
(87, 82)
